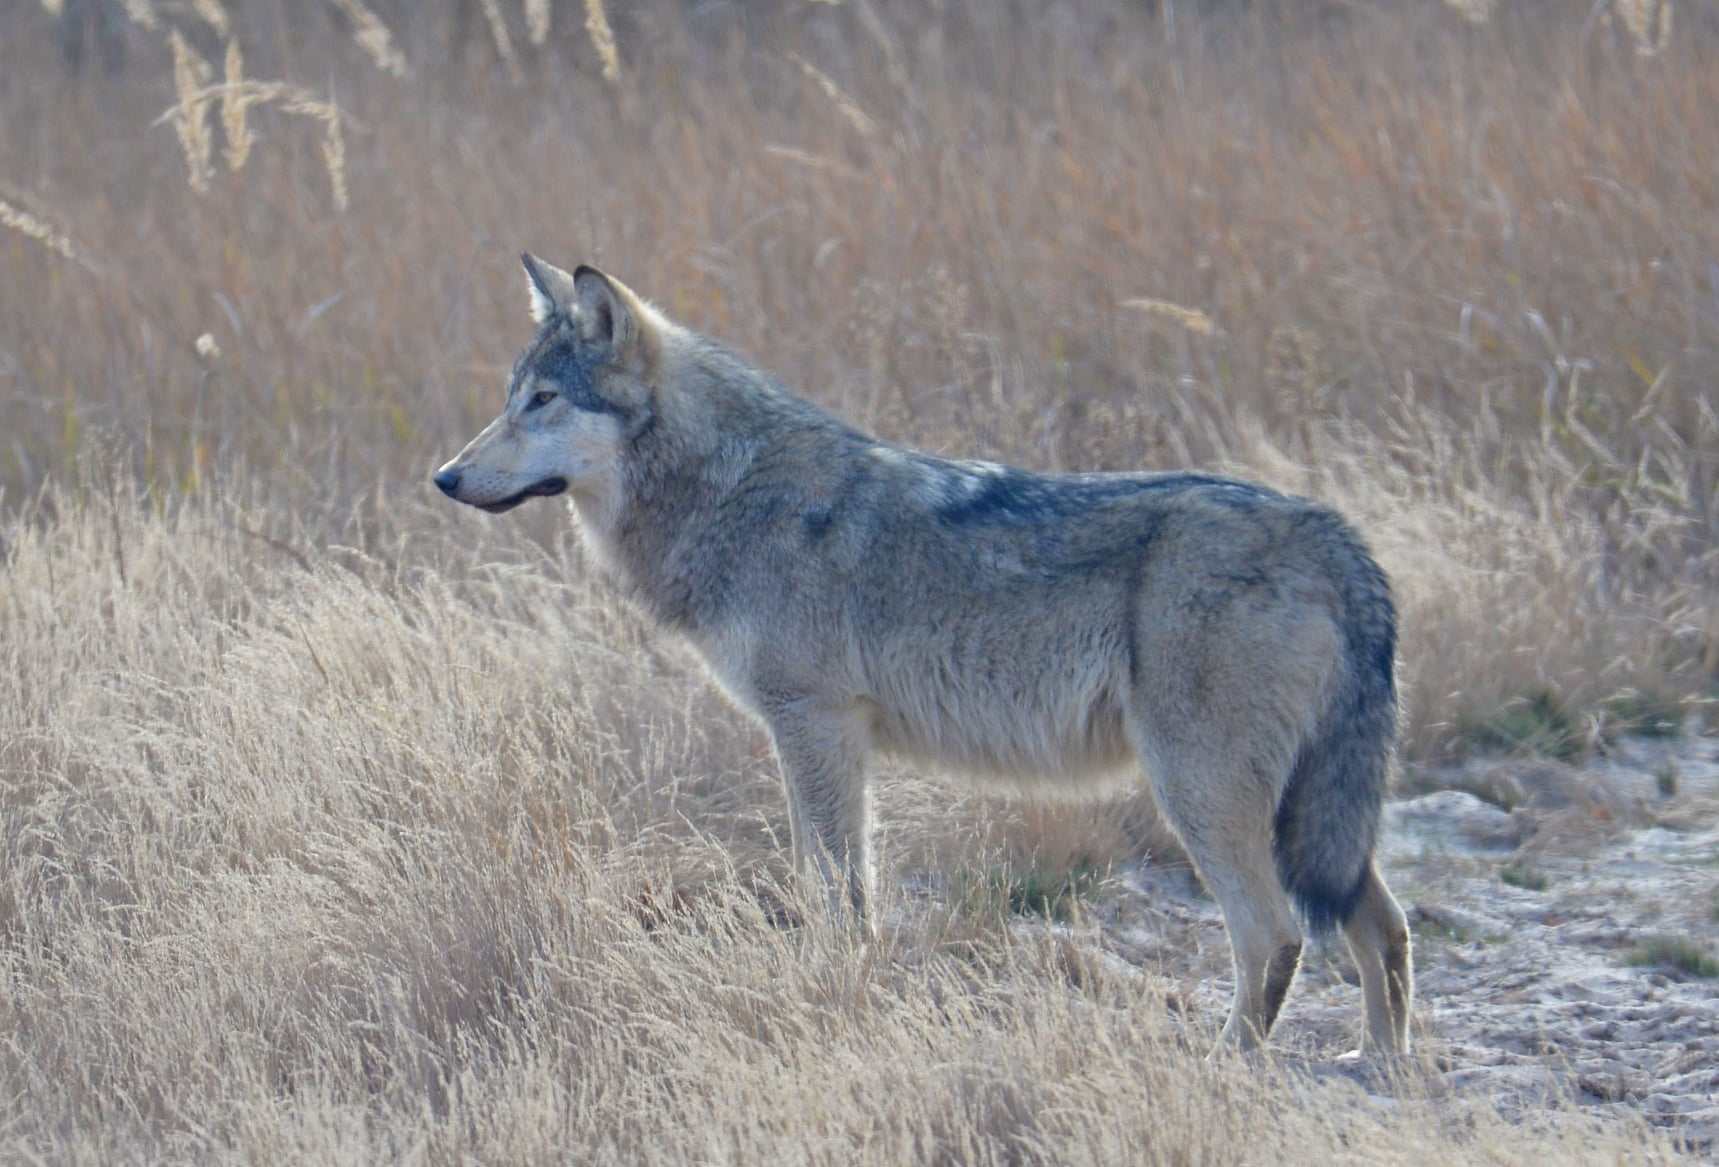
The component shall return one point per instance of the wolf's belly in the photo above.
(1068, 744)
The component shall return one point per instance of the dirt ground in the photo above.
(1566, 927)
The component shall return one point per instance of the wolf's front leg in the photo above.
(823, 758)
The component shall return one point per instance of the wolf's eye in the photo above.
(542, 397)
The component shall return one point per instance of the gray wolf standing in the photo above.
(1051, 634)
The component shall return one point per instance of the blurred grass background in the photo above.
(1456, 277)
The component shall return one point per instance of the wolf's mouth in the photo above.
(544, 489)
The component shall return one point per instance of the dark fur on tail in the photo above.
(1329, 817)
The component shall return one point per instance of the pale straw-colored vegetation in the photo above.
(425, 853)
(344, 826)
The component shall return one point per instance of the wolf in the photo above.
(1050, 634)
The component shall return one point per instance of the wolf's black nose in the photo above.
(448, 480)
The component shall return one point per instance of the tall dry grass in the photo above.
(343, 826)
(1459, 277)
(363, 860)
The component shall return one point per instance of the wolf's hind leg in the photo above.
(823, 758)
(1265, 941)
(1221, 808)
(1378, 935)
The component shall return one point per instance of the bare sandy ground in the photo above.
(1543, 913)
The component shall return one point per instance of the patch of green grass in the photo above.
(1686, 956)
(1439, 926)
(1440, 930)
(1538, 724)
(1050, 892)
(1644, 715)
(1523, 875)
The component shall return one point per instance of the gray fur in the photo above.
(1033, 633)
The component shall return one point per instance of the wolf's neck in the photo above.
(662, 535)
(701, 491)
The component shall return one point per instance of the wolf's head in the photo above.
(580, 390)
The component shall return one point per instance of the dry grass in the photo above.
(367, 862)
(344, 827)
(1459, 282)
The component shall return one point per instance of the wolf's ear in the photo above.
(551, 288)
(606, 313)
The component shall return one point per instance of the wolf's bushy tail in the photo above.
(1328, 819)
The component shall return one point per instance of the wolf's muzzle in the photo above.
(448, 482)
(545, 488)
